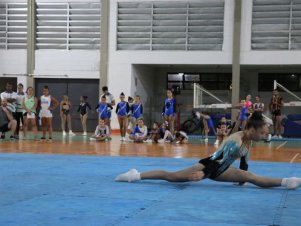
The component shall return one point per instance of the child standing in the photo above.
(207, 122)
(169, 110)
(65, 107)
(104, 110)
(29, 104)
(83, 110)
(48, 104)
(137, 111)
(242, 117)
(19, 110)
(122, 111)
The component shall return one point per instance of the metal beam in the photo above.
(236, 57)
(30, 41)
(104, 42)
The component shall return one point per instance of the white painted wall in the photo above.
(261, 57)
(143, 83)
(13, 64)
(74, 63)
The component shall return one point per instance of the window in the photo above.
(13, 25)
(276, 25)
(68, 25)
(210, 81)
(291, 81)
(170, 25)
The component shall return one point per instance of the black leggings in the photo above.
(19, 118)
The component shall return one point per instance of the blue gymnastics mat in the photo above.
(42, 190)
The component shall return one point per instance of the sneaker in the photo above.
(3, 136)
(85, 134)
(161, 141)
(269, 138)
(14, 137)
(280, 137)
(275, 136)
(64, 133)
(43, 139)
(71, 133)
(216, 142)
(121, 139)
(206, 140)
(92, 138)
(50, 139)
(130, 176)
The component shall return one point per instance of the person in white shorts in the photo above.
(48, 104)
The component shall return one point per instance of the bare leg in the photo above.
(278, 124)
(168, 134)
(49, 120)
(25, 125)
(85, 117)
(274, 125)
(63, 122)
(206, 129)
(120, 125)
(238, 175)
(69, 123)
(193, 173)
(125, 125)
(243, 125)
(34, 127)
(44, 126)
(171, 121)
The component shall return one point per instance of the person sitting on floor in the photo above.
(102, 132)
(181, 137)
(154, 135)
(222, 133)
(140, 133)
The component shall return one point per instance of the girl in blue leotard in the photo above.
(169, 110)
(104, 110)
(137, 111)
(242, 117)
(122, 111)
(207, 122)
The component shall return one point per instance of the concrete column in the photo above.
(30, 42)
(104, 43)
(236, 57)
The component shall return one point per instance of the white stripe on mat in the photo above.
(281, 145)
(293, 159)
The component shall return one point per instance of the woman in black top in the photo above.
(82, 109)
(65, 108)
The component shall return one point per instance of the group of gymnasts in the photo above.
(130, 118)
(24, 108)
(245, 109)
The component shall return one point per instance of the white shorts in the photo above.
(45, 114)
